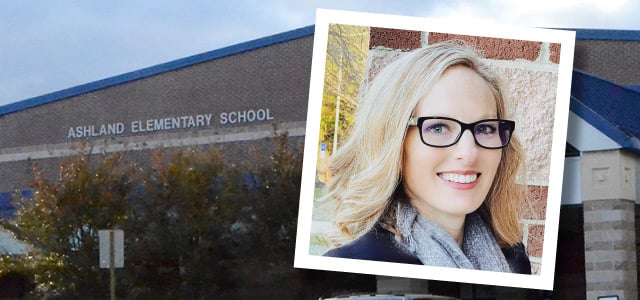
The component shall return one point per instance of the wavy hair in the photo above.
(366, 180)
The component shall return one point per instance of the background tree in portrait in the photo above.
(347, 49)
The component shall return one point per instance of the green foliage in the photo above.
(347, 49)
(276, 202)
(194, 225)
(179, 224)
(62, 222)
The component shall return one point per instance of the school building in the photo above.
(231, 97)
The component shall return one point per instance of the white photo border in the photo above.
(542, 281)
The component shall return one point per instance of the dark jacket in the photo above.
(380, 245)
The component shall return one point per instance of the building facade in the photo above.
(232, 97)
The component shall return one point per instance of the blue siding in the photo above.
(6, 208)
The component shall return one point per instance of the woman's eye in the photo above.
(436, 129)
(485, 129)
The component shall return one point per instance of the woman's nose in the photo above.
(466, 148)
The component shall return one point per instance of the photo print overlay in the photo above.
(533, 67)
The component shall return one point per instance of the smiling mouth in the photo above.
(459, 178)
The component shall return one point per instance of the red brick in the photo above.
(534, 242)
(394, 38)
(555, 53)
(494, 48)
(535, 207)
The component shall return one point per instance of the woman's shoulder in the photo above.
(378, 244)
(518, 259)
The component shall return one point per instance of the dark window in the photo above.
(570, 151)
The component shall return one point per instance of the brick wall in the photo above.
(529, 71)
(274, 78)
(617, 61)
(608, 199)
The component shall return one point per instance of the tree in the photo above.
(196, 227)
(181, 224)
(269, 243)
(347, 49)
(62, 220)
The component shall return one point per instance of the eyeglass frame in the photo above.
(417, 121)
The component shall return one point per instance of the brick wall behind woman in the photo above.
(529, 73)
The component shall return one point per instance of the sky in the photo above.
(47, 46)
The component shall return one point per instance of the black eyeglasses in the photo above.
(444, 132)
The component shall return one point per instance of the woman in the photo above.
(427, 175)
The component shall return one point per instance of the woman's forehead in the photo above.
(459, 93)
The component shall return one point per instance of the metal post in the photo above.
(112, 264)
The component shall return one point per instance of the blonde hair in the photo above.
(366, 170)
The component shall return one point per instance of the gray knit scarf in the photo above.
(435, 247)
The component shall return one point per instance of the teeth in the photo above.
(459, 178)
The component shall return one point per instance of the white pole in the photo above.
(335, 132)
(335, 126)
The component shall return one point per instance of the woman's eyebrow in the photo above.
(446, 115)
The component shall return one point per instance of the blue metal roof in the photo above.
(607, 35)
(611, 108)
(634, 87)
(158, 69)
